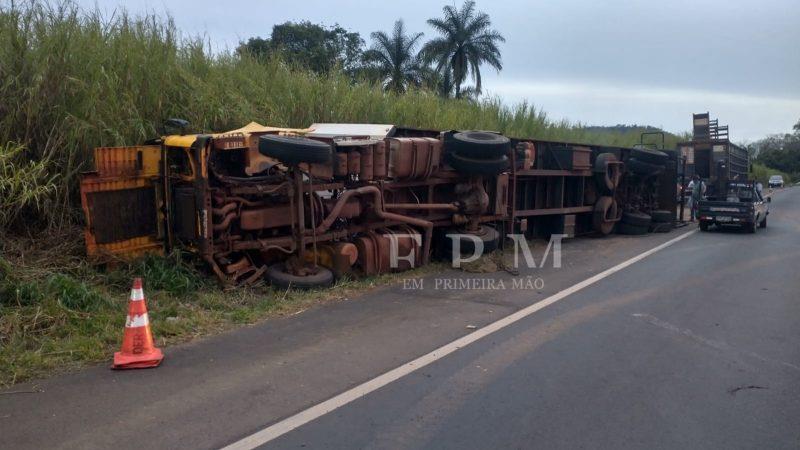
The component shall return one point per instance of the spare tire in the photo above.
(279, 277)
(605, 215)
(293, 150)
(662, 216)
(480, 144)
(642, 168)
(636, 219)
(474, 166)
(607, 175)
(650, 156)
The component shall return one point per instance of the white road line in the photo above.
(290, 423)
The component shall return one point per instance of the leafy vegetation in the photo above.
(781, 153)
(24, 184)
(466, 43)
(309, 46)
(394, 60)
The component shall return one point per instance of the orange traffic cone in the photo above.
(138, 351)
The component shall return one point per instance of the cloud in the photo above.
(750, 116)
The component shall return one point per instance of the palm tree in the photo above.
(466, 42)
(394, 59)
(441, 82)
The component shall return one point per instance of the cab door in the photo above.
(122, 201)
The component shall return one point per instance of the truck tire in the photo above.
(626, 228)
(607, 175)
(475, 166)
(751, 227)
(488, 235)
(604, 215)
(662, 216)
(650, 156)
(763, 223)
(703, 226)
(642, 168)
(636, 219)
(480, 144)
(294, 150)
(279, 277)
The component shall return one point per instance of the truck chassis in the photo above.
(302, 207)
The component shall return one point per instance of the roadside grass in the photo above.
(57, 321)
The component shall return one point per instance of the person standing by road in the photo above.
(698, 190)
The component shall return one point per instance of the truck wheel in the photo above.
(703, 226)
(626, 228)
(649, 156)
(293, 150)
(607, 175)
(488, 235)
(751, 227)
(605, 214)
(642, 168)
(279, 277)
(636, 219)
(480, 144)
(763, 223)
(475, 166)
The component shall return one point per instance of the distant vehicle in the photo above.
(776, 181)
(741, 205)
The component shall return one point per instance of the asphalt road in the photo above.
(694, 346)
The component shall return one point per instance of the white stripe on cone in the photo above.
(137, 294)
(137, 321)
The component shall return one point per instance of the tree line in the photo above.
(398, 60)
(780, 151)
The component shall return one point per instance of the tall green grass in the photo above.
(24, 183)
(74, 79)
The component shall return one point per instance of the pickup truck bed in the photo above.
(744, 207)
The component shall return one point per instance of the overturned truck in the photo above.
(301, 207)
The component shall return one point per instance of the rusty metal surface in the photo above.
(120, 201)
(134, 161)
(127, 223)
(413, 158)
(265, 217)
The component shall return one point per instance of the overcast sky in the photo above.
(598, 63)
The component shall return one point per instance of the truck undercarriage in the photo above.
(303, 207)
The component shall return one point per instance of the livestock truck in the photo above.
(301, 207)
(730, 198)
